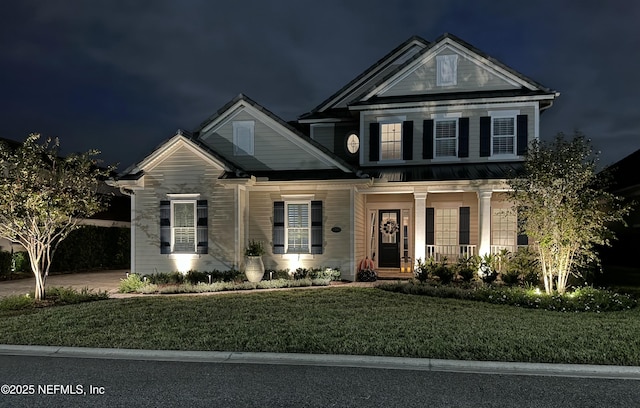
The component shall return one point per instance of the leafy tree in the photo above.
(43, 197)
(564, 206)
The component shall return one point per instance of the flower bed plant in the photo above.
(216, 281)
(585, 299)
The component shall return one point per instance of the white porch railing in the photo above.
(451, 252)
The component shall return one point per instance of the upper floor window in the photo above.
(446, 70)
(503, 132)
(391, 141)
(446, 137)
(243, 137)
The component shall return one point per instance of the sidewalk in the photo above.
(98, 281)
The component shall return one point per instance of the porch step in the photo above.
(393, 273)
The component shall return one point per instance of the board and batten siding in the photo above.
(336, 245)
(272, 150)
(183, 172)
(419, 116)
(471, 77)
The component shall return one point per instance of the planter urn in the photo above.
(254, 268)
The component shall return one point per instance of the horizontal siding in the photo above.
(471, 77)
(336, 246)
(272, 150)
(183, 172)
(418, 131)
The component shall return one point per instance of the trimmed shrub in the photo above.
(91, 247)
(131, 283)
(367, 275)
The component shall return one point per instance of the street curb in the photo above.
(376, 362)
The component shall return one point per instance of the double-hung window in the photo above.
(298, 227)
(446, 136)
(446, 226)
(503, 132)
(184, 224)
(391, 140)
(503, 228)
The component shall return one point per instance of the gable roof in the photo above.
(181, 138)
(290, 132)
(356, 95)
(624, 174)
(379, 67)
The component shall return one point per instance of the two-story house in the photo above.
(406, 161)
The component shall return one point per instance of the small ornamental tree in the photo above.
(43, 197)
(564, 209)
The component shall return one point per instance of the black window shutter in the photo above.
(485, 136)
(165, 227)
(278, 227)
(316, 227)
(427, 139)
(374, 141)
(463, 137)
(465, 224)
(522, 134)
(430, 226)
(202, 227)
(407, 140)
(522, 239)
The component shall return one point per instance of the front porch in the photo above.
(402, 227)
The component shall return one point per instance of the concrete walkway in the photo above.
(98, 281)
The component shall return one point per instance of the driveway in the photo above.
(102, 280)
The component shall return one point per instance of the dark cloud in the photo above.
(122, 76)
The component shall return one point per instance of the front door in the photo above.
(389, 238)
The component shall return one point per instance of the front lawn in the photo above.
(335, 320)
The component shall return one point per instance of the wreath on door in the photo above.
(389, 227)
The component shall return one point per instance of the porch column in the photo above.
(484, 219)
(420, 225)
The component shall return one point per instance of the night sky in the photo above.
(123, 76)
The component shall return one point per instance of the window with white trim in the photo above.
(503, 227)
(297, 227)
(503, 133)
(446, 226)
(446, 70)
(183, 226)
(391, 141)
(446, 137)
(243, 137)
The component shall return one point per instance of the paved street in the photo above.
(118, 382)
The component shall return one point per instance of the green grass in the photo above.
(338, 320)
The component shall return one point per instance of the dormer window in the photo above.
(446, 70)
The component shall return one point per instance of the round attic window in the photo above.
(353, 143)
